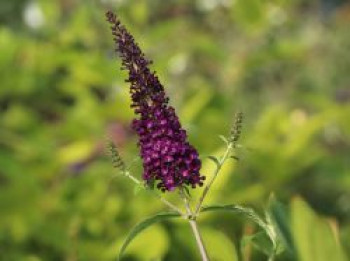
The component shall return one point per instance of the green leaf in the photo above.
(224, 139)
(221, 247)
(271, 231)
(253, 216)
(259, 241)
(187, 191)
(234, 157)
(248, 212)
(313, 236)
(280, 221)
(143, 225)
(262, 243)
(215, 160)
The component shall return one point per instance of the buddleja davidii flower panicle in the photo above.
(168, 158)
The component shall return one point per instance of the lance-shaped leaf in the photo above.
(260, 241)
(280, 221)
(215, 160)
(224, 139)
(248, 212)
(143, 225)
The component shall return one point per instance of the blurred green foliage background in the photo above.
(284, 63)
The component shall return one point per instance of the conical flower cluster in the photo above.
(168, 159)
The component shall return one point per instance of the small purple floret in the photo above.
(168, 158)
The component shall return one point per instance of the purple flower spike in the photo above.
(168, 159)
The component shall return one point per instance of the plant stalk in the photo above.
(163, 200)
(194, 227)
(199, 240)
(211, 181)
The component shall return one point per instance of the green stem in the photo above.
(211, 181)
(163, 200)
(135, 180)
(199, 240)
(194, 228)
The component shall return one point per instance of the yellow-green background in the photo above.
(285, 64)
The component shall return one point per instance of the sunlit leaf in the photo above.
(262, 243)
(281, 222)
(247, 212)
(266, 243)
(219, 245)
(187, 191)
(234, 157)
(313, 236)
(143, 225)
(215, 160)
(224, 139)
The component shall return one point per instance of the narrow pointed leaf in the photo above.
(234, 157)
(262, 243)
(215, 160)
(224, 139)
(259, 241)
(280, 221)
(187, 191)
(143, 225)
(248, 212)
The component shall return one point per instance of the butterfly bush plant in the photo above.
(170, 163)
